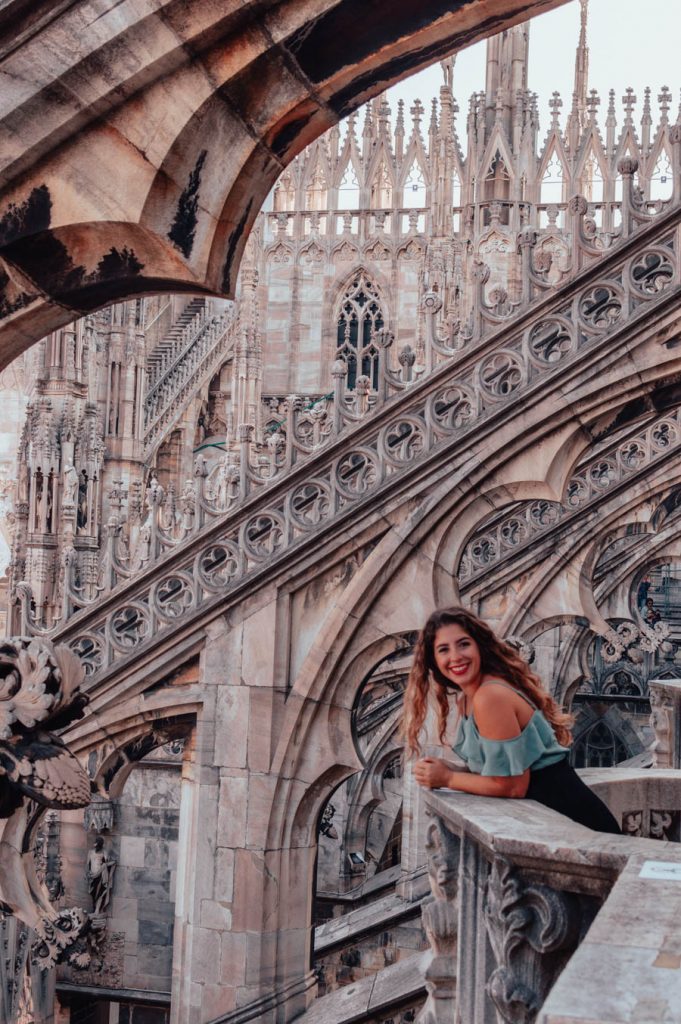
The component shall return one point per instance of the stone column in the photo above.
(242, 935)
(198, 924)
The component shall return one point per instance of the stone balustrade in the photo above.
(223, 530)
(538, 919)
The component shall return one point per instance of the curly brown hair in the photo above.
(498, 659)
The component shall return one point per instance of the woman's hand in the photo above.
(433, 773)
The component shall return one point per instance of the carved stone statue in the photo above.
(39, 692)
(70, 484)
(101, 866)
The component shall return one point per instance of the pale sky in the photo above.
(629, 44)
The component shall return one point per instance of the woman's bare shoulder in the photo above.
(493, 689)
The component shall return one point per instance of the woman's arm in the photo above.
(433, 773)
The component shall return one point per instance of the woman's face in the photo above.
(457, 655)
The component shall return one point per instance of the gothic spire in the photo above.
(577, 119)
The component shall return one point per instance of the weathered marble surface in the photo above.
(556, 867)
(628, 968)
(383, 912)
(389, 987)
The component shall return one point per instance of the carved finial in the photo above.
(384, 112)
(664, 99)
(628, 100)
(416, 111)
(433, 117)
(368, 120)
(399, 123)
(593, 102)
(555, 103)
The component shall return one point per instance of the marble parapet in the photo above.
(532, 911)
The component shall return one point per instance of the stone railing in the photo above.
(226, 528)
(538, 919)
(324, 461)
(202, 347)
(616, 465)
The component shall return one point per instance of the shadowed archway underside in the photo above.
(138, 142)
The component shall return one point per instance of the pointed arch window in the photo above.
(598, 747)
(316, 192)
(382, 189)
(592, 179)
(661, 181)
(497, 179)
(360, 317)
(456, 190)
(553, 181)
(415, 187)
(284, 194)
(348, 191)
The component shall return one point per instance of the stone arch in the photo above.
(131, 746)
(266, 94)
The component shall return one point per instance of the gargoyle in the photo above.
(39, 693)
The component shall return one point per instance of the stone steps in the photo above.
(395, 986)
(162, 354)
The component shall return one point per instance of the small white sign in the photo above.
(662, 869)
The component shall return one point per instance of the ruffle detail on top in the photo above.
(535, 747)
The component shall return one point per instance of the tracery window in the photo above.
(598, 747)
(662, 180)
(348, 192)
(552, 181)
(360, 317)
(415, 187)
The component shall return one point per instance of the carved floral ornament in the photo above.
(533, 929)
(39, 692)
(435, 413)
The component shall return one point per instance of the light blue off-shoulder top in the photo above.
(536, 746)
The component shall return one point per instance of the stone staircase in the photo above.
(179, 366)
(165, 353)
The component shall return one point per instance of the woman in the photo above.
(512, 735)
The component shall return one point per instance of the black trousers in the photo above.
(560, 788)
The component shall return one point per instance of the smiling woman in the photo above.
(512, 736)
